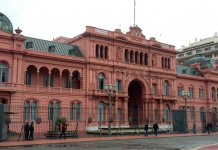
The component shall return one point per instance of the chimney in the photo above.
(196, 39)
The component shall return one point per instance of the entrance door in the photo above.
(178, 120)
(135, 115)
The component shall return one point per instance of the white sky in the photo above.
(177, 21)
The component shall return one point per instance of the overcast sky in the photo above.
(174, 22)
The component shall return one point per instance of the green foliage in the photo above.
(58, 122)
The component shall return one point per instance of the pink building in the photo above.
(69, 74)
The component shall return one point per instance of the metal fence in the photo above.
(92, 122)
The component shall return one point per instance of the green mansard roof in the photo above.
(52, 47)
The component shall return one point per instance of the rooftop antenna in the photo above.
(134, 12)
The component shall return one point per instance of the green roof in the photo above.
(5, 23)
(60, 48)
(188, 70)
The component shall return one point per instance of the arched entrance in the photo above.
(136, 90)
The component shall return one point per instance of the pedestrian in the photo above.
(194, 127)
(27, 130)
(31, 131)
(155, 127)
(211, 126)
(146, 129)
(208, 128)
(63, 129)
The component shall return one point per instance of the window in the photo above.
(29, 45)
(72, 111)
(72, 52)
(192, 113)
(96, 51)
(153, 88)
(28, 79)
(131, 56)
(156, 114)
(4, 72)
(100, 112)
(166, 88)
(30, 112)
(101, 51)
(119, 85)
(167, 113)
(34, 110)
(202, 94)
(52, 81)
(50, 111)
(45, 82)
(202, 114)
(146, 59)
(51, 49)
(78, 111)
(27, 110)
(105, 53)
(184, 71)
(101, 81)
(119, 114)
(66, 81)
(126, 55)
(57, 110)
(191, 92)
(213, 93)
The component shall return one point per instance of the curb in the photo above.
(196, 148)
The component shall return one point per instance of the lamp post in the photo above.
(110, 89)
(185, 95)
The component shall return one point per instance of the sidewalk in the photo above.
(71, 140)
(207, 147)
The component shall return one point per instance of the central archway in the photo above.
(136, 90)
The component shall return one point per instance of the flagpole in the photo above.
(134, 12)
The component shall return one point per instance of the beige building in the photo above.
(208, 47)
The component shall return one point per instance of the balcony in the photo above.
(165, 97)
(59, 90)
(6, 86)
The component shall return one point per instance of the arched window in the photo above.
(213, 93)
(168, 63)
(163, 62)
(72, 105)
(30, 112)
(141, 57)
(101, 81)
(101, 51)
(136, 57)
(146, 59)
(202, 114)
(126, 55)
(96, 51)
(191, 91)
(54, 110)
(78, 111)
(179, 91)
(166, 88)
(131, 56)
(100, 113)
(76, 80)
(192, 113)
(4, 72)
(167, 113)
(106, 52)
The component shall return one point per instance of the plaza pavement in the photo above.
(93, 139)
(207, 147)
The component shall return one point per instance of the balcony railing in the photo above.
(6, 86)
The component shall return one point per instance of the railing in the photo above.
(55, 89)
(31, 88)
(43, 89)
(6, 86)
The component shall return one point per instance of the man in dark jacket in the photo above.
(155, 127)
(31, 131)
(63, 129)
(146, 129)
(208, 126)
(27, 130)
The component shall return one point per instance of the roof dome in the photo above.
(200, 58)
(5, 23)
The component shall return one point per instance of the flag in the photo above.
(134, 2)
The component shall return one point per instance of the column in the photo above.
(60, 80)
(49, 79)
(126, 111)
(152, 111)
(143, 110)
(25, 78)
(81, 82)
(37, 79)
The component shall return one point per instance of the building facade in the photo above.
(66, 76)
(207, 46)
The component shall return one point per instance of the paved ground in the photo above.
(170, 143)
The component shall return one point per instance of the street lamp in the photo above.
(110, 89)
(185, 95)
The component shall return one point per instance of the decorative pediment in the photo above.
(135, 32)
(122, 38)
(156, 45)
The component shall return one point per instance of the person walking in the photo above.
(31, 131)
(63, 129)
(208, 128)
(155, 127)
(146, 129)
(194, 127)
(27, 130)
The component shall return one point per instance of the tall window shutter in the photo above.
(57, 110)
(202, 93)
(52, 81)
(65, 82)
(117, 85)
(120, 85)
(34, 110)
(73, 83)
(78, 111)
(45, 81)
(27, 110)
(50, 111)
(72, 111)
(103, 84)
(6, 74)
